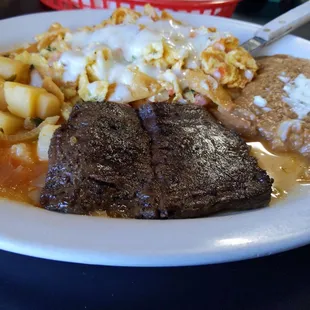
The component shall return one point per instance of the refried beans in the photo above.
(275, 105)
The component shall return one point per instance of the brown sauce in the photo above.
(287, 169)
(18, 180)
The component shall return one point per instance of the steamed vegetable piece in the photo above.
(3, 105)
(22, 99)
(48, 105)
(44, 141)
(10, 123)
(29, 135)
(14, 70)
(28, 101)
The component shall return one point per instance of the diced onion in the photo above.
(29, 135)
(34, 195)
(39, 181)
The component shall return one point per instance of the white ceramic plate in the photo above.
(36, 232)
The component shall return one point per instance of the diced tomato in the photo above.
(54, 57)
(201, 100)
(219, 46)
(170, 92)
(222, 71)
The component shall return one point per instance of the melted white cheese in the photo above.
(121, 94)
(149, 70)
(298, 95)
(135, 46)
(74, 63)
(119, 73)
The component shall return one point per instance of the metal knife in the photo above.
(279, 27)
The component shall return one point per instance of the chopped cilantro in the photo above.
(73, 140)
(37, 121)
(12, 78)
(51, 49)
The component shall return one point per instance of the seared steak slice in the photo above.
(175, 161)
(201, 166)
(100, 161)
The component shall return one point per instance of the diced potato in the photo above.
(3, 105)
(44, 141)
(28, 101)
(22, 152)
(48, 105)
(10, 123)
(22, 99)
(14, 70)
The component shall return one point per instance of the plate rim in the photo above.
(18, 241)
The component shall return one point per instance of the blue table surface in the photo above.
(277, 282)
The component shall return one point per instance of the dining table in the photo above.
(280, 281)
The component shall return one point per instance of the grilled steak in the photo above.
(201, 166)
(100, 161)
(163, 161)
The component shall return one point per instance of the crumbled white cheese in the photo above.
(249, 75)
(298, 95)
(288, 125)
(266, 109)
(305, 149)
(260, 101)
(284, 79)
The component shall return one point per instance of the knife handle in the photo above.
(285, 23)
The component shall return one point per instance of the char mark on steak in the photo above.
(163, 161)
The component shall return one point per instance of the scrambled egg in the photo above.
(109, 60)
